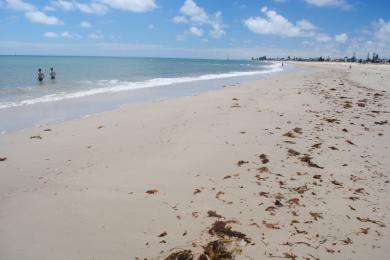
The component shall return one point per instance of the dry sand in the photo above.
(297, 163)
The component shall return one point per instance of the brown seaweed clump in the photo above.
(217, 250)
(221, 229)
(307, 159)
(181, 255)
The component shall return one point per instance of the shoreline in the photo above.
(73, 105)
(278, 159)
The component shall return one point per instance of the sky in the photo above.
(195, 28)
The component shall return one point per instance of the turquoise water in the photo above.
(85, 76)
(86, 85)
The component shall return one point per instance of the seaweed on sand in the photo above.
(221, 229)
(307, 159)
(181, 255)
(217, 250)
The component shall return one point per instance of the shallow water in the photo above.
(86, 85)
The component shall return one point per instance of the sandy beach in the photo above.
(295, 166)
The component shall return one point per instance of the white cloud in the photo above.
(322, 37)
(180, 19)
(51, 35)
(91, 8)
(19, 5)
(64, 5)
(95, 36)
(64, 34)
(341, 38)
(151, 27)
(198, 17)
(335, 3)
(196, 31)
(273, 23)
(32, 13)
(49, 8)
(382, 30)
(138, 6)
(217, 26)
(306, 25)
(85, 24)
(42, 18)
(196, 13)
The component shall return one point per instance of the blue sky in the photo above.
(195, 28)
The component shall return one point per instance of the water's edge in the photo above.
(68, 106)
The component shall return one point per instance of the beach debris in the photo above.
(263, 169)
(221, 229)
(289, 134)
(300, 189)
(307, 159)
(270, 225)
(347, 104)
(2, 159)
(227, 177)
(264, 159)
(293, 201)
(331, 120)
(363, 231)
(271, 209)
(100, 127)
(337, 183)
(333, 148)
(196, 191)
(329, 250)
(379, 223)
(181, 255)
(317, 176)
(217, 249)
(152, 191)
(297, 130)
(213, 214)
(381, 122)
(203, 257)
(241, 162)
(316, 215)
(361, 191)
(347, 241)
(292, 152)
(350, 142)
(47, 130)
(219, 193)
(35, 137)
(163, 234)
(264, 194)
(278, 203)
(317, 145)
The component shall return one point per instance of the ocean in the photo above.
(86, 85)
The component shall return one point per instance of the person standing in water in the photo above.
(41, 76)
(52, 73)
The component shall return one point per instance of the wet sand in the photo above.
(291, 166)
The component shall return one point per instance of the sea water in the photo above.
(85, 85)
